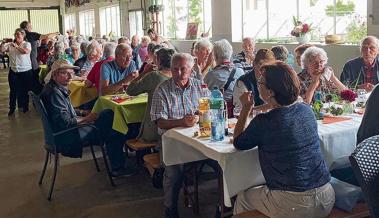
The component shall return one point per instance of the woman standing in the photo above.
(297, 178)
(20, 72)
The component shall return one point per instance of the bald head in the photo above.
(248, 45)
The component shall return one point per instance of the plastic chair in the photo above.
(51, 146)
(365, 164)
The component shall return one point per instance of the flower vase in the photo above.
(305, 38)
(348, 107)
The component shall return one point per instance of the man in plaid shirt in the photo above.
(363, 71)
(173, 105)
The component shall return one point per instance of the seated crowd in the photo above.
(286, 134)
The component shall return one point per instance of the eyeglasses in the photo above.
(65, 73)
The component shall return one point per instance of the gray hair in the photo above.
(75, 45)
(59, 47)
(280, 52)
(20, 30)
(373, 38)
(183, 56)
(122, 47)
(310, 53)
(92, 47)
(109, 49)
(222, 50)
(203, 43)
(83, 47)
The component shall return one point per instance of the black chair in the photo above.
(365, 164)
(52, 148)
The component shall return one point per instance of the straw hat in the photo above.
(333, 39)
(57, 65)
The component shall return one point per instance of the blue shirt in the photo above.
(289, 148)
(113, 73)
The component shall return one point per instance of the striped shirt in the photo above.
(173, 102)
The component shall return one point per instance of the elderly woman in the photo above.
(94, 53)
(225, 74)
(280, 52)
(147, 84)
(297, 178)
(204, 59)
(248, 82)
(75, 53)
(20, 71)
(316, 76)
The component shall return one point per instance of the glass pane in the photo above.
(208, 17)
(139, 23)
(181, 15)
(132, 23)
(280, 18)
(8, 26)
(255, 19)
(237, 21)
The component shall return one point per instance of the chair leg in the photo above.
(56, 160)
(44, 168)
(107, 166)
(94, 158)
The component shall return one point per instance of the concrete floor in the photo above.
(80, 191)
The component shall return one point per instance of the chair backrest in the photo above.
(48, 132)
(365, 164)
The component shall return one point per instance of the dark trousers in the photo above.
(114, 140)
(19, 85)
(173, 178)
(35, 85)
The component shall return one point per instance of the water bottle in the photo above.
(318, 96)
(204, 112)
(291, 60)
(217, 115)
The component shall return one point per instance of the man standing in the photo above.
(33, 39)
(245, 58)
(117, 74)
(363, 72)
(173, 105)
(62, 115)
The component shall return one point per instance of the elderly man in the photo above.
(62, 116)
(363, 71)
(117, 74)
(245, 58)
(173, 105)
(225, 74)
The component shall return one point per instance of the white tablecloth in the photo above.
(241, 169)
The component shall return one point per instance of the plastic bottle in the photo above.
(291, 60)
(204, 112)
(218, 113)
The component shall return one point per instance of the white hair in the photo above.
(109, 49)
(312, 52)
(222, 50)
(122, 47)
(203, 43)
(75, 45)
(183, 56)
(92, 47)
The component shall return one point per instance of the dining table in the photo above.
(127, 109)
(80, 93)
(241, 169)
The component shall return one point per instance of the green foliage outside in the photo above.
(356, 31)
(341, 8)
(194, 11)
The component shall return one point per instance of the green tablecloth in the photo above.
(129, 111)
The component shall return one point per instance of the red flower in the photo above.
(348, 95)
(305, 28)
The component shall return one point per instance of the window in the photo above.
(110, 21)
(271, 20)
(87, 22)
(70, 22)
(135, 23)
(8, 26)
(178, 13)
(45, 21)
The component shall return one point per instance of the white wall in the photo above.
(28, 3)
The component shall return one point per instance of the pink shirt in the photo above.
(142, 52)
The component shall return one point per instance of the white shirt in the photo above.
(238, 90)
(20, 62)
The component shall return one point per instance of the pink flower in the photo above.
(305, 28)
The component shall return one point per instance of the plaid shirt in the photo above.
(172, 102)
(240, 61)
(370, 74)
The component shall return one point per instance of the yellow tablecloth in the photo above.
(42, 73)
(80, 94)
(129, 111)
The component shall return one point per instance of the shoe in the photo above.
(11, 112)
(171, 213)
(124, 172)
